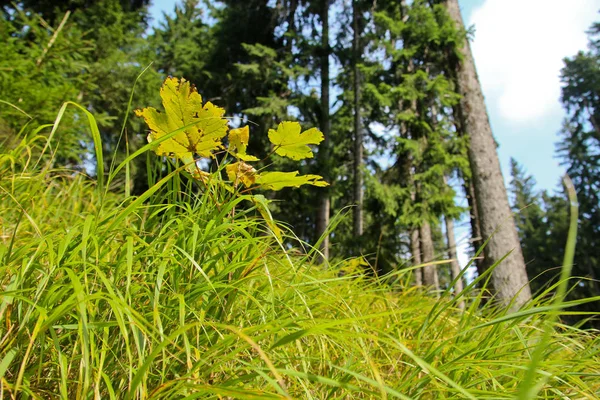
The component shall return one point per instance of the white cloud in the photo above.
(518, 48)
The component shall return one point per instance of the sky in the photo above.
(518, 46)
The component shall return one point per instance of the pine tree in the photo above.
(323, 211)
(40, 69)
(358, 134)
(509, 278)
(176, 40)
(535, 233)
(579, 151)
(107, 54)
(408, 94)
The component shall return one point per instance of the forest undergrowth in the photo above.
(185, 292)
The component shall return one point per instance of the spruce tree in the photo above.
(176, 41)
(324, 206)
(93, 58)
(509, 279)
(579, 151)
(357, 51)
(413, 98)
(534, 231)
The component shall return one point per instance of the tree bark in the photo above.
(509, 279)
(455, 267)
(476, 238)
(469, 189)
(415, 249)
(324, 200)
(430, 277)
(358, 135)
(407, 165)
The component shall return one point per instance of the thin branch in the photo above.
(53, 38)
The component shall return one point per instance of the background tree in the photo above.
(579, 152)
(41, 67)
(175, 41)
(536, 234)
(357, 21)
(509, 279)
(111, 52)
(324, 207)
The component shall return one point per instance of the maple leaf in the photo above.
(238, 142)
(241, 172)
(289, 142)
(280, 180)
(183, 108)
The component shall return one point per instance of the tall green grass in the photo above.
(182, 293)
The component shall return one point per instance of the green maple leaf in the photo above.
(280, 180)
(183, 107)
(290, 142)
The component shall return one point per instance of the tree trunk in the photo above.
(292, 7)
(509, 279)
(430, 277)
(406, 172)
(455, 267)
(415, 249)
(469, 189)
(358, 135)
(324, 200)
(476, 238)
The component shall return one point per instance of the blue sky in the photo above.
(518, 48)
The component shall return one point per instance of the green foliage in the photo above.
(93, 54)
(260, 60)
(40, 68)
(175, 41)
(541, 221)
(409, 98)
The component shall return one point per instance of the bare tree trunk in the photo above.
(291, 20)
(415, 249)
(430, 277)
(455, 267)
(509, 279)
(469, 189)
(476, 237)
(358, 135)
(324, 200)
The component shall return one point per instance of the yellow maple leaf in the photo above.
(290, 142)
(205, 125)
(241, 172)
(238, 143)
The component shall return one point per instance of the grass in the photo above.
(174, 295)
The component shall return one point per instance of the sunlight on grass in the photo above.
(174, 295)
